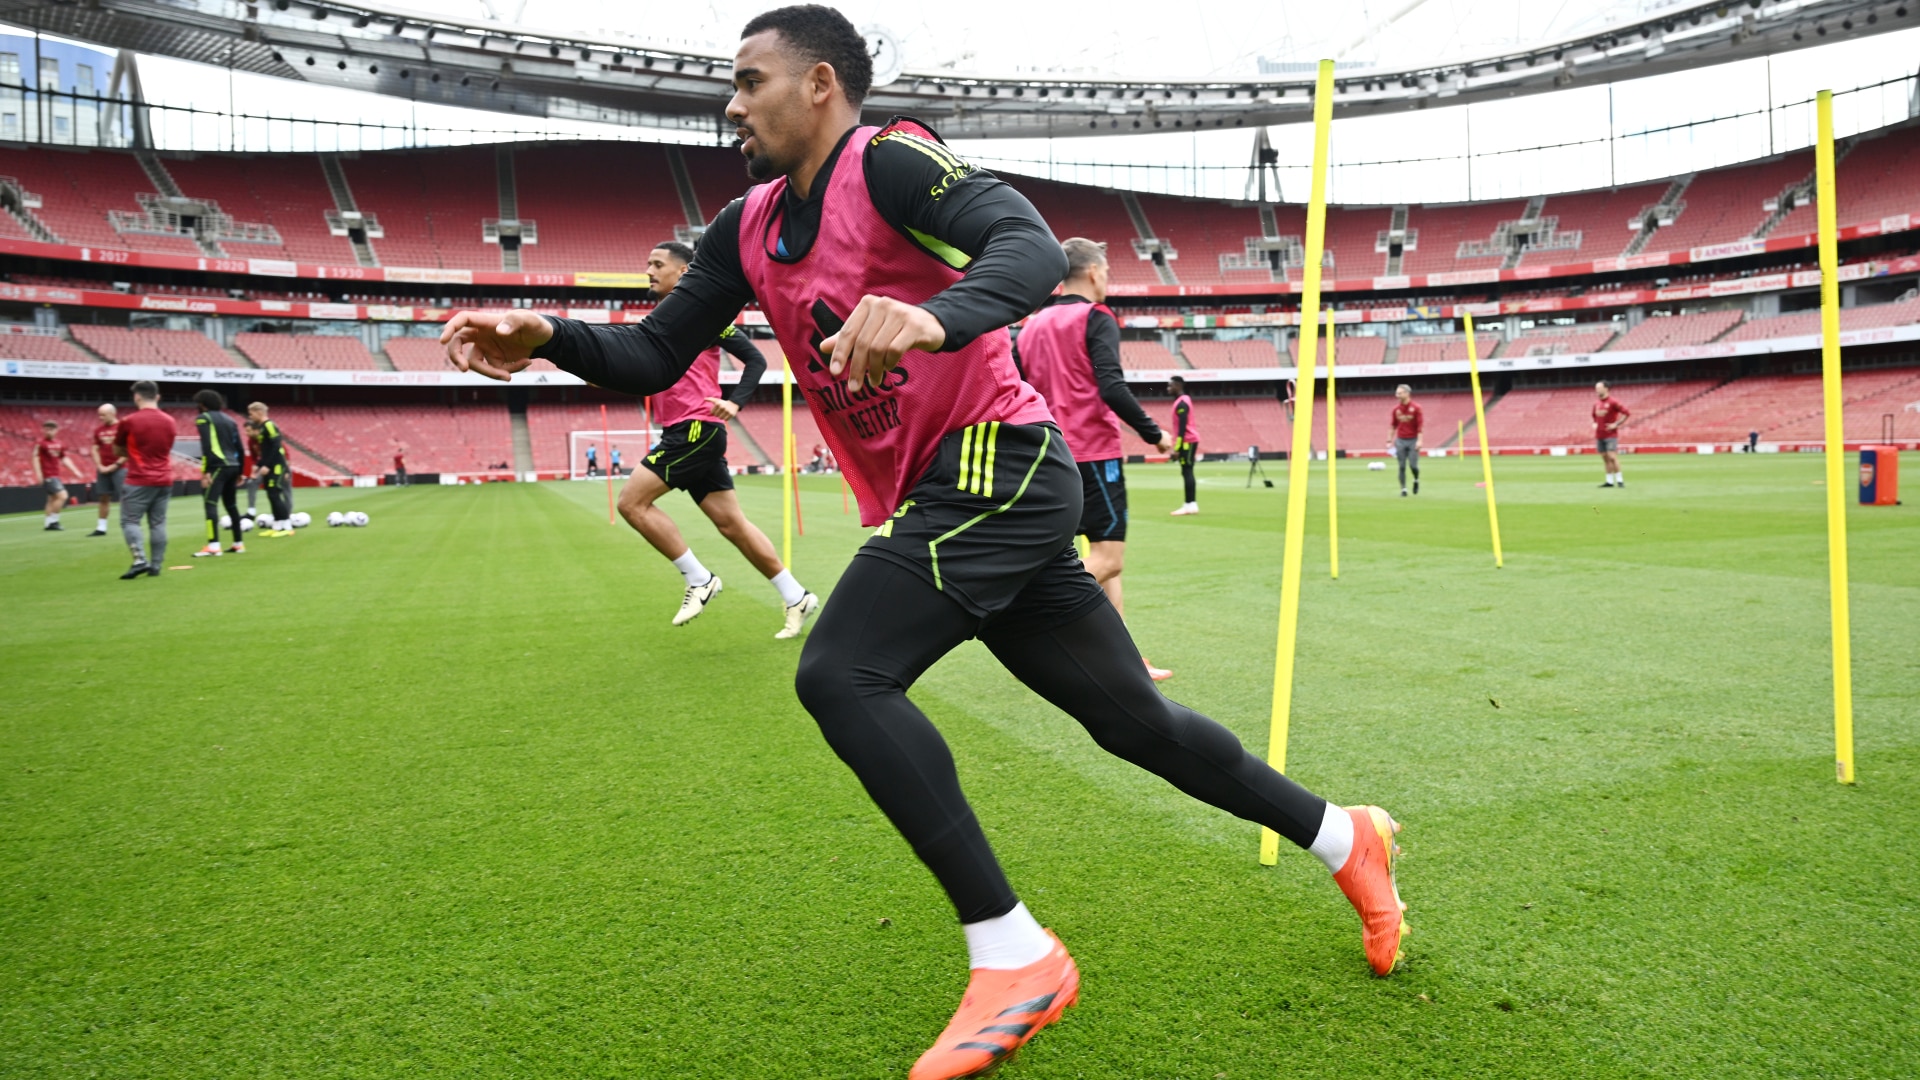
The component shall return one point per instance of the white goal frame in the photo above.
(631, 442)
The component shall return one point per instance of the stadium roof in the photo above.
(613, 79)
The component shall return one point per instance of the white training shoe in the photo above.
(797, 615)
(696, 600)
(211, 551)
(1157, 674)
(1186, 509)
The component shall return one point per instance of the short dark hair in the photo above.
(209, 400)
(820, 34)
(146, 389)
(683, 252)
(1177, 381)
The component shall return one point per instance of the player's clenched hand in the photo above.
(723, 409)
(1165, 445)
(494, 345)
(874, 338)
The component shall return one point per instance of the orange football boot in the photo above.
(1367, 879)
(1000, 1012)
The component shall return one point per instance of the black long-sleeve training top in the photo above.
(917, 185)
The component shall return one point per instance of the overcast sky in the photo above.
(1223, 38)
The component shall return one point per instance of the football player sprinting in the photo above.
(890, 267)
(691, 456)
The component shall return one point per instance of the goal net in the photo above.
(619, 451)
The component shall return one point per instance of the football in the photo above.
(246, 524)
(336, 519)
(300, 519)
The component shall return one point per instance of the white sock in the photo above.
(53, 519)
(1013, 940)
(691, 569)
(1619, 479)
(790, 590)
(1335, 840)
(283, 525)
(99, 525)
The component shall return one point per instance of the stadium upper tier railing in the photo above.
(536, 216)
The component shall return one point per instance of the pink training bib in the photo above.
(884, 437)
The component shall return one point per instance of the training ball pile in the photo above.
(351, 517)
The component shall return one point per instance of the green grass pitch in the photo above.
(448, 796)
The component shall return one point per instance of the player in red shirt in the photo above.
(48, 458)
(110, 474)
(1409, 435)
(890, 268)
(144, 441)
(1609, 416)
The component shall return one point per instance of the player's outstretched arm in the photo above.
(494, 345)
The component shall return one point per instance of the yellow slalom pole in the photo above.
(1297, 460)
(1836, 445)
(786, 463)
(1486, 456)
(1333, 464)
(1460, 436)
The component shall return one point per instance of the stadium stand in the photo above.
(1249, 353)
(1600, 217)
(599, 206)
(40, 347)
(121, 345)
(1871, 397)
(1201, 231)
(1551, 341)
(288, 192)
(1444, 229)
(77, 190)
(1348, 349)
(1676, 331)
(1865, 317)
(429, 203)
(762, 423)
(718, 174)
(310, 351)
(362, 438)
(1441, 348)
(1072, 210)
(1353, 236)
(1563, 416)
(1148, 356)
(1728, 204)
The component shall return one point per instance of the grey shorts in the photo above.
(1608, 446)
(110, 485)
(52, 486)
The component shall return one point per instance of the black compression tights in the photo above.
(886, 626)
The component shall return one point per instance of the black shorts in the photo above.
(1186, 453)
(1103, 495)
(110, 485)
(991, 524)
(692, 456)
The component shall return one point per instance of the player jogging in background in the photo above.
(1409, 425)
(1069, 351)
(219, 469)
(400, 466)
(1186, 444)
(890, 269)
(1609, 416)
(109, 469)
(49, 457)
(270, 468)
(691, 456)
(145, 442)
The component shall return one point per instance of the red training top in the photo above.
(1408, 420)
(399, 463)
(148, 438)
(103, 437)
(1607, 416)
(1054, 358)
(50, 452)
(884, 437)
